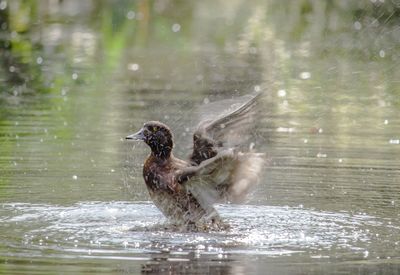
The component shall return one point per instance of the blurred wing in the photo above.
(232, 128)
(227, 177)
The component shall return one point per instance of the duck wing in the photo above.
(227, 177)
(231, 129)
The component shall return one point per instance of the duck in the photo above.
(218, 170)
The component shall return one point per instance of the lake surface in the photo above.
(76, 78)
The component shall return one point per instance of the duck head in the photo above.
(157, 136)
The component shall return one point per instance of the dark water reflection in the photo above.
(76, 77)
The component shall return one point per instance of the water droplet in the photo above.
(305, 75)
(305, 140)
(382, 53)
(281, 93)
(200, 247)
(14, 35)
(3, 5)
(357, 25)
(394, 141)
(285, 130)
(133, 67)
(74, 177)
(74, 76)
(39, 60)
(130, 15)
(206, 100)
(340, 160)
(386, 122)
(257, 88)
(11, 69)
(176, 27)
(366, 253)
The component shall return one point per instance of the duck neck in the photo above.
(161, 152)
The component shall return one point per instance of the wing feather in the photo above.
(232, 129)
(227, 177)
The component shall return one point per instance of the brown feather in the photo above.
(217, 171)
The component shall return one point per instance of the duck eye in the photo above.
(146, 132)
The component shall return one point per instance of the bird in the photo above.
(219, 169)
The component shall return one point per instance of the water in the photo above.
(124, 231)
(72, 197)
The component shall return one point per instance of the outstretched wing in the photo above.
(227, 177)
(231, 129)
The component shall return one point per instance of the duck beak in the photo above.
(137, 136)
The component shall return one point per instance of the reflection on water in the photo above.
(76, 77)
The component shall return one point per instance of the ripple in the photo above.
(118, 229)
